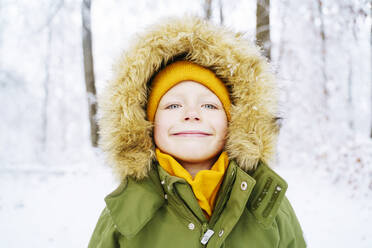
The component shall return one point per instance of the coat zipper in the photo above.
(222, 201)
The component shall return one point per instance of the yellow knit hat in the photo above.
(184, 71)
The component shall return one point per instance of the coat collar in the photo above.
(133, 204)
(267, 194)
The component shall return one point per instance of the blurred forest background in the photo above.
(56, 56)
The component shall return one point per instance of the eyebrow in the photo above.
(205, 98)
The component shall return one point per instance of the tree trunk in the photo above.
(354, 16)
(323, 58)
(44, 124)
(283, 12)
(370, 40)
(89, 70)
(263, 26)
(221, 13)
(208, 9)
(350, 92)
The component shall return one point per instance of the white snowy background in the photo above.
(52, 182)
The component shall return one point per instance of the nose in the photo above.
(193, 118)
(192, 115)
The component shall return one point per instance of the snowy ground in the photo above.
(331, 214)
(41, 208)
(51, 209)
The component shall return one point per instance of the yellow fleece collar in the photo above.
(205, 184)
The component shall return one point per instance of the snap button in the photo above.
(191, 226)
(220, 233)
(278, 188)
(244, 185)
(165, 196)
(162, 182)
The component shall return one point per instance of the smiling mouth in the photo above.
(192, 134)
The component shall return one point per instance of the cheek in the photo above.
(161, 128)
(165, 120)
(220, 123)
(158, 130)
(222, 133)
(158, 136)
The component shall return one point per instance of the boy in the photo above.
(189, 126)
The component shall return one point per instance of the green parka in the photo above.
(151, 208)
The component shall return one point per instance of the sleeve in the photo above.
(290, 231)
(105, 234)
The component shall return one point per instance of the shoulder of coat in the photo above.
(267, 195)
(133, 204)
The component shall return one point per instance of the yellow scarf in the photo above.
(206, 182)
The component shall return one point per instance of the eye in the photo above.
(210, 106)
(173, 106)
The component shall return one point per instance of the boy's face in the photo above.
(190, 107)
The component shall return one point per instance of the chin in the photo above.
(193, 155)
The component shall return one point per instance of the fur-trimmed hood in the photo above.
(126, 134)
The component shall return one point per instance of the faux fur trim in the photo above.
(126, 135)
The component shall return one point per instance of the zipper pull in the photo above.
(207, 235)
